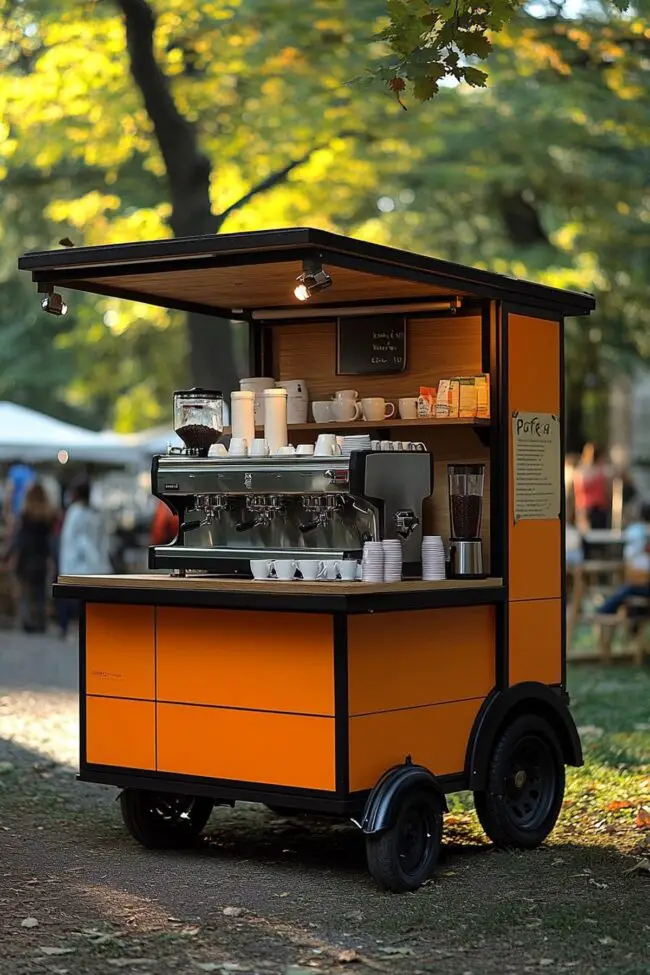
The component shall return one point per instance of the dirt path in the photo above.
(263, 894)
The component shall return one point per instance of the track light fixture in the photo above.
(54, 304)
(312, 280)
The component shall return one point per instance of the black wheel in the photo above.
(403, 857)
(163, 820)
(525, 785)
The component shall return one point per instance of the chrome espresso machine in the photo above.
(234, 509)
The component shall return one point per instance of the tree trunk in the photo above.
(212, 360)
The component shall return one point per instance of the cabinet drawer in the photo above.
(121, 733)
(120, 651)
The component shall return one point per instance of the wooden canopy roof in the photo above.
(238, 275)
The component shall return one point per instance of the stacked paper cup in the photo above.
(392, 559)
(372, 565)
(433, 558)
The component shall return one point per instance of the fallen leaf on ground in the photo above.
(233, 911)
(57, 951)
(348, 956)
(642, 819)
(129, 962)
(642, 866)
(389, 950)
(606, 940)
(619, 804)
(597, 884)
(29, 922)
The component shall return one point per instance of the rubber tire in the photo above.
(489, 804)
(382, 850)
(156, 833)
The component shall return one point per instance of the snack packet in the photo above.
(426, 401)
(443, 399)
(467, 397)
(482, 396)
(454, 397)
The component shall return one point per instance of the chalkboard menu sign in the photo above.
(375, 344)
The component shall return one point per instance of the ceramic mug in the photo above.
(284, 569)
(305, 449)
(260, 447)
(346, 570)
(260, 568)
(386, 445)
(310, 569)
(345, 394)
(238, 447)
(287, 450)
(326, 445)
(417, 446)
(346, 410)
(376, 408)
(408, 408)
(329, 569)
(322, 411)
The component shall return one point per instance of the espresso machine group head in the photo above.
(233, 509)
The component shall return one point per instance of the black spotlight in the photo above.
(54, 304)
(312, 280)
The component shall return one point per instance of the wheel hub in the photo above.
(520, 779)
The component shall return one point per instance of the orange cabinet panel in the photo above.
(533, 386)
(409, 659)
(240, 659)
(120, 651)
(120, 732)
(535, 641)
(248, 746)
(435, 737)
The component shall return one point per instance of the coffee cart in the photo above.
(370, 701)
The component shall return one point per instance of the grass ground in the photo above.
(297, 898)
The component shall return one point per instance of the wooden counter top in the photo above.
(296, 596)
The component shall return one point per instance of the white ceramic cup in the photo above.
(345, 394)
(346, 570)
(288, 450)
(408, 407)
(260, 447)
(260, 568)
(386, 445)
(217, 450)
(326, 445)
(310, 569)
(376, 408)
(346, 410)
(238, 447)
(322, 411)
(375, 444)
(417, 446)
(305, 449)
(284, 569)
(329, 569)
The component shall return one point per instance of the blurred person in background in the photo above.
(19, 478)
(31, 549)
(592, 490)
(637, 564)
(164, 527)
(84, 546)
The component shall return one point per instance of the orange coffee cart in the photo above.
(365, 700)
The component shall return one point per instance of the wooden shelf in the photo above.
(385, 424)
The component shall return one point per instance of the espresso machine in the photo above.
(466, 483)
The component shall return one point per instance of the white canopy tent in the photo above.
(36, 438)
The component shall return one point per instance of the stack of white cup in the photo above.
(372, 564)
(433, 558)
(392, 559)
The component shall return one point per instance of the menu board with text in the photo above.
(537, 472)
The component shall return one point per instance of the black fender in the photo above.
(382, 805)
(502, 707)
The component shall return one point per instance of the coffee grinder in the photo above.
(465, 512)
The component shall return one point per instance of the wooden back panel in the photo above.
(436, 348)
